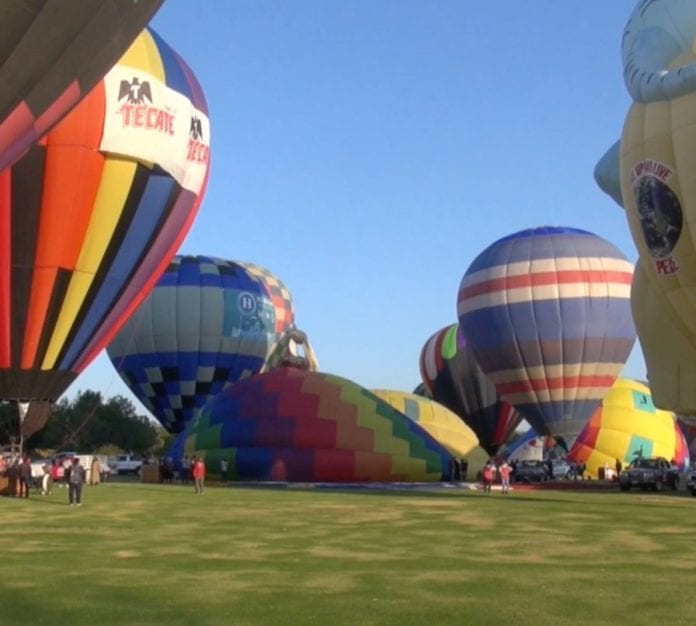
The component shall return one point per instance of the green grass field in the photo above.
(158, 554)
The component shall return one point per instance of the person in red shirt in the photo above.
(198, 471)
(488, 476)
(505, 470)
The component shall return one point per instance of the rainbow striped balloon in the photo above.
(547, 314)
(296, 425)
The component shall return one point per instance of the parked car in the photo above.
(531, 472)
(126, 464)
(655, 473)
(560, 468)
(691, 483)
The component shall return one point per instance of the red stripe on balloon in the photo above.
(560, 382)
(541, 279)
(5, 268)
(64, 103)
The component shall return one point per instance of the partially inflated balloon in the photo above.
(437, 420)
(52, 52)
(627, 425)
(92, 215)
(455, 380)
(296, 425)
(547, 314)
(208, 323)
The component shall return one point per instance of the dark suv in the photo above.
(691, 482)
(530, 472)
(655, 473)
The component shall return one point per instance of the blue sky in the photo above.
(366, 152)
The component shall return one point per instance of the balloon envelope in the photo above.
(443, 425)
(547, 315)
(627, 425)
(455, 380)
(297, 425)
(658, 157)
(51, 54)
(90, 217)
(208, 323)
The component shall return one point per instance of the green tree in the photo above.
(87, 423)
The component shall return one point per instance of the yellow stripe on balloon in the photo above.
(112, 194)
(144, 55)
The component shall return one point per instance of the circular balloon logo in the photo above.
(660, 214)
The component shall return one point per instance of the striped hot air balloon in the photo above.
(455, 380)
(208, 323)
(547, 315)
(91, 216)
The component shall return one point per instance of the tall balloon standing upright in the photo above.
(207, 324)
(52, 52)
(658, 188)
(548, 318)
(455, 379)
(91, 216)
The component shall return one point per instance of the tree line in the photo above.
(89, 423)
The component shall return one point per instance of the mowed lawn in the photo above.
(158, 554)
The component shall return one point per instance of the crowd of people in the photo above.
(60, 472)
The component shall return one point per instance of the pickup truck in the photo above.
(126, 464)
(655, 473)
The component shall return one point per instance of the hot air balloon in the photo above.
(297, 425)
(92, 215)
(628, 425)
(455, 380)
(658, 156)
(443, 425)
(547, 315)
(52, 53)
(208, 323)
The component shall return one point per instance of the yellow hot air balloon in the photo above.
(628, 425)
(658, 186)
(439, 422)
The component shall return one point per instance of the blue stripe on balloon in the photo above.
(526, 247)
(156, 195)
(543, 320)
(254, 463)
(237, 432)
(175, 77)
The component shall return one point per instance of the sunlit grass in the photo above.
(158, 554)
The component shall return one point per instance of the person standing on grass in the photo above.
(75, 482)
(223, 471)
(198, 471)
(24, 477)
(95, 471)
(505, 470)
(488, 476)
(46, 481)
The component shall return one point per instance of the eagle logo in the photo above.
(196, 130)
(135, 92)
